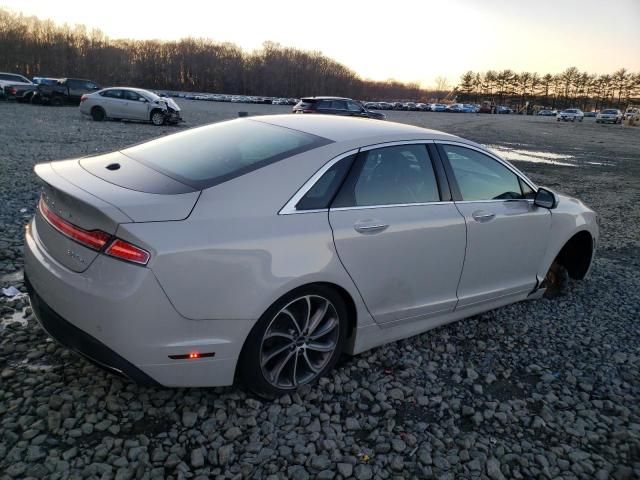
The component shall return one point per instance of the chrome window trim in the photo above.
(530, 200)
(394, 144)
(290, 207)
(391, 205)
(513, 169)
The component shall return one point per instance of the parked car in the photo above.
(8, 79)
(590, 114)
(633, 114)
(270, 246)
(66, 90)
(503, 110)
(548, 113)
(335, 106)
(454, 108)
(570, 115)
(131, 104)
(609, 116)
(438, 107)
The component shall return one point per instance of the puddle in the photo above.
(532, 156)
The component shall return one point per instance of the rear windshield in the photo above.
(206, 156)
(610, 112)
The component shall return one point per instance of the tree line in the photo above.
(35, 47)
(571, 88)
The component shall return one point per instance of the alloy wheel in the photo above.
(299, 342)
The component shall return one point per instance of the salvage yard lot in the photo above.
(545, 389)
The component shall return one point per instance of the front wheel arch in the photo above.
(576, 255)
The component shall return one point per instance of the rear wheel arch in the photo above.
(345, 296)
(98, 113)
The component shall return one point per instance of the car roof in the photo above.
(129, 88)
(343, 129)
(324, 98)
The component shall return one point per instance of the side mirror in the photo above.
(142, 99)
(545, 198)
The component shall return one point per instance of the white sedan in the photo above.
(570, 115)
(264, 248)
(130, 104)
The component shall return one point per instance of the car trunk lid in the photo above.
(79, 193)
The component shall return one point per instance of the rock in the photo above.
(363, 472)
(189, 418)
(232, 433)
(493, 469)
(345, 469)
(297, 472)
(197, 458)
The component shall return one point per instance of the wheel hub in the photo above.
(299, 341)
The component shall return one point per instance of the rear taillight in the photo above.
(95, 239)
(126, 251)
(83, 98)
(12, 90)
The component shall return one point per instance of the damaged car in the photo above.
(121, 103)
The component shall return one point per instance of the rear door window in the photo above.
(324, 190)
(206, 156)
(338, 105)
(397, 175)
(354, 107)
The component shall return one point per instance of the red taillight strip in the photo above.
(94, 239)
(125, 251)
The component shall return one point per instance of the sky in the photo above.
(408, 40)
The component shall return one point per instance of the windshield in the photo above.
(150, 96)
(206, 156)
(610, 112)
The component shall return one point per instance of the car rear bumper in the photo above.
(117, 315)
(81, 342)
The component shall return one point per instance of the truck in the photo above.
(65, 91)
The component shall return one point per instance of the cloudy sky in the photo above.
(402, 39)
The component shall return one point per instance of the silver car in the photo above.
(130, 104)
(266, 247)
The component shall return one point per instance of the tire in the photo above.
(56, 101)
(278, 357)
(157, 118)
(581, 119)
(556, 280)
(35, 100)
(97, 113)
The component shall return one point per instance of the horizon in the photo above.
(495, 44)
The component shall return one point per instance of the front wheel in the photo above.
(295, 342)
(157, 118)
(556, 280)
(56, 101)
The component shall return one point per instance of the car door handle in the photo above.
(370, 227)
(482, 216)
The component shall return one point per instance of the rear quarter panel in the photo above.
(234, 256)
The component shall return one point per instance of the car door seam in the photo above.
(335, 249)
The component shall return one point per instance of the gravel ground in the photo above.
(545, 389)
